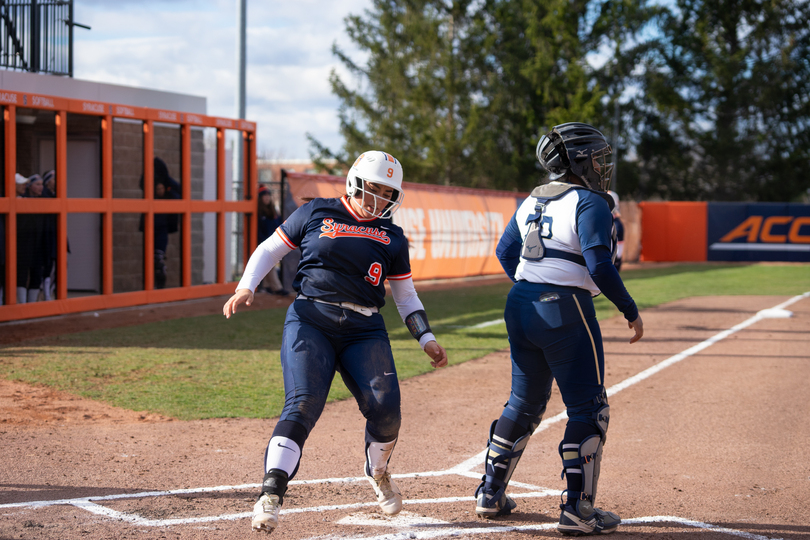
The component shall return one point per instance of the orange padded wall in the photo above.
(673, 231)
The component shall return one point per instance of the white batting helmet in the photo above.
(377, 168)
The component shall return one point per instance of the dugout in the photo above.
(100, 226)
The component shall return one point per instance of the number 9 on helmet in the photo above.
(380, 168)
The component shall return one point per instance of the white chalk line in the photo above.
(190, 491)
(773, 312)
(412, 525)
(486, 324)
(462, 468)
(429, 529)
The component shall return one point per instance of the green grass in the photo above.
(209, 367)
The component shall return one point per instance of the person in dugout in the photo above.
(31, 246)
(268, 221)
(166, 187)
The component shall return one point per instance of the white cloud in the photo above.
(189, 47)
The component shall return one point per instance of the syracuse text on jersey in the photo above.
(333, 230)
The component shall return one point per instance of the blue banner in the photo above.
(759, 232)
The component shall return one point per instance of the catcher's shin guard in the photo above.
(500, 462)
(579, 514)
(583, 459)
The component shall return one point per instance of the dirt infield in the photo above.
(708, 438)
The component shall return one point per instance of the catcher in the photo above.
(558, 249)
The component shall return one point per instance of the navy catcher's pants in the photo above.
(321, 339)
(553, 335)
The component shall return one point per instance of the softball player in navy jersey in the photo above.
(349, 247)
(558, 250)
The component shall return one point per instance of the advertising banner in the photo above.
(452, 232)
(759, 232)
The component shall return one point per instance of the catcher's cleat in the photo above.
(265, 513)
(583, 519)
(489, 507)
(388, 494)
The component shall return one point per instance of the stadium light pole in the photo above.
(241, 52)
(238, 154)
(241, 66)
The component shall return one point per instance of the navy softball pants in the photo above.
(553, 335)
(320, 340)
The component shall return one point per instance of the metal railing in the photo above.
(37, 36)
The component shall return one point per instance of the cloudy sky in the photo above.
(189, 46)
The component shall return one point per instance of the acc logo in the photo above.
(772, 230)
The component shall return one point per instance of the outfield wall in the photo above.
(715, 231)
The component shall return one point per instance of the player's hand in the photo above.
(437, 353)
(241, 296)
(638, 326)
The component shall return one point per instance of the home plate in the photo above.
(403, 519)
(775, 313)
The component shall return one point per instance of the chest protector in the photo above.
(540, 224)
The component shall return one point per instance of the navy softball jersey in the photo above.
(345, 258)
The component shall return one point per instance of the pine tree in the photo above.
(726, 102)
(461, 91)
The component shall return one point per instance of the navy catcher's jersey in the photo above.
(345, 258)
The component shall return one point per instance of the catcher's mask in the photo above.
(580, 149)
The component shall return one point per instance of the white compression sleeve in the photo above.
(407, 302)
(282, 453)
(266, 256)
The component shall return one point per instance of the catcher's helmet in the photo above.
(580, 149)
(377, 168)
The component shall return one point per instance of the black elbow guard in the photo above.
(417, 323)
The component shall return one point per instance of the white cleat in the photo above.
(265, 513)
(388, 494)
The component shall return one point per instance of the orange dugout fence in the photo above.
(104, 205)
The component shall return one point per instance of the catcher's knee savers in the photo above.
(499, 464)
(585, 458)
